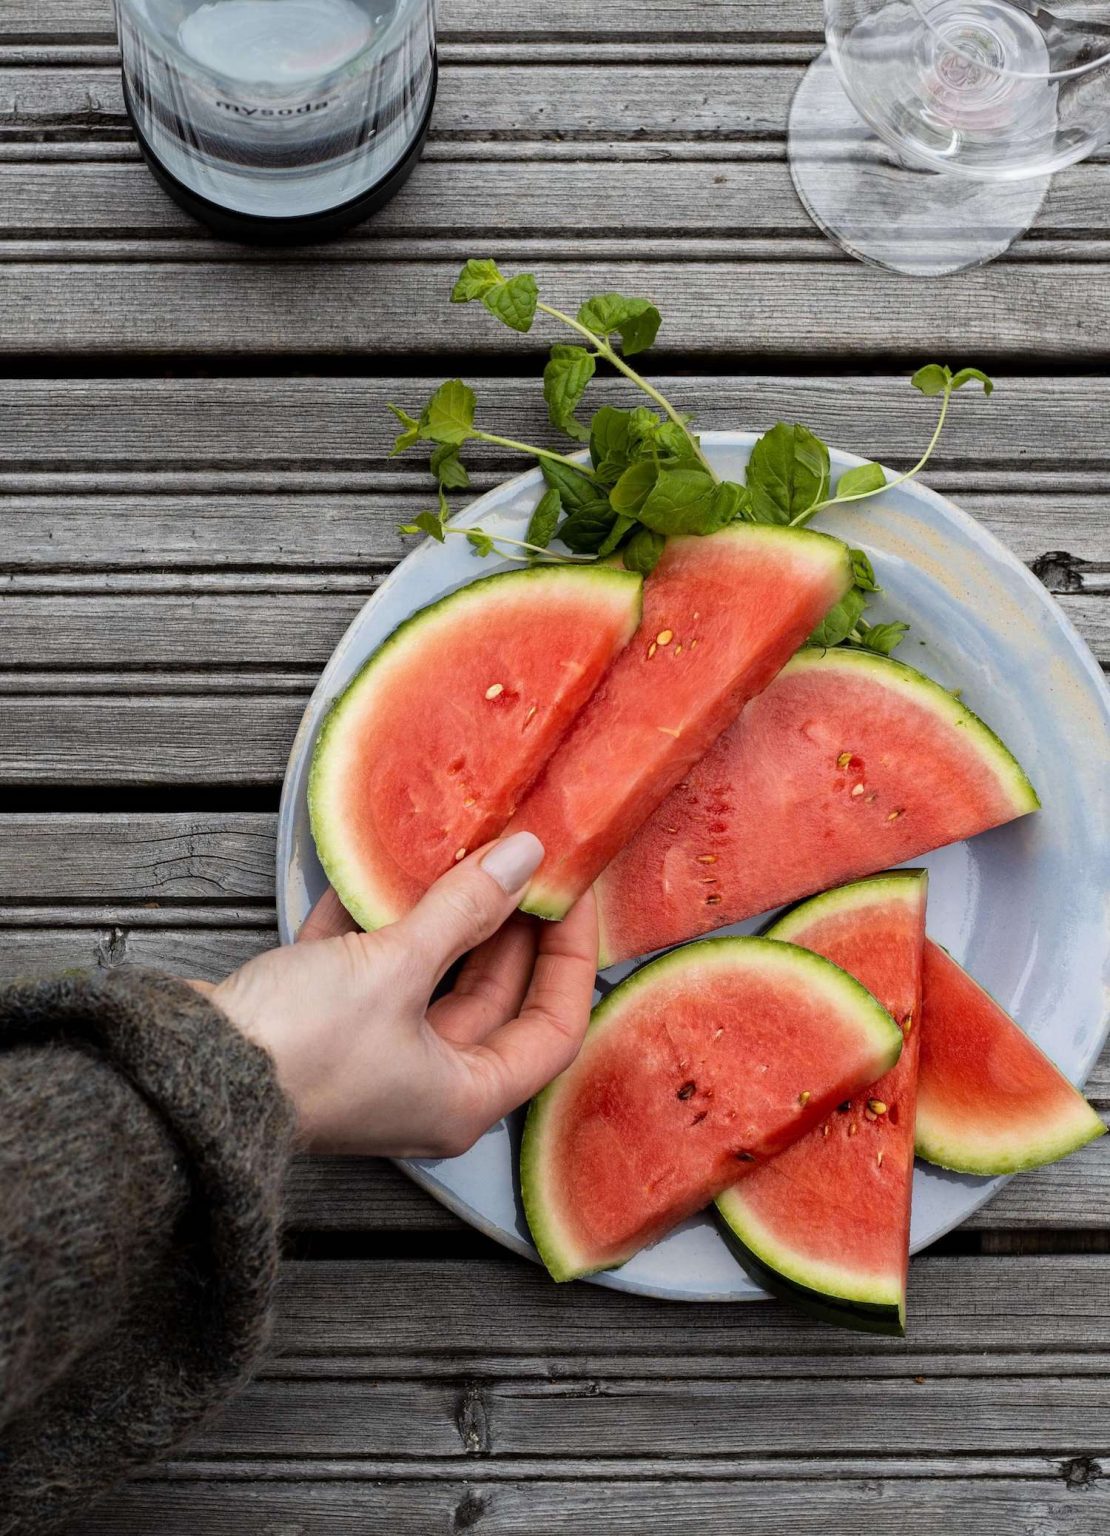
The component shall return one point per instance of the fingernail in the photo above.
(513, 861)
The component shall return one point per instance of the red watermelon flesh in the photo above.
(827, 1224)
(708, 1061)
(989, 1100)
(848, 763)
(721, 616)
(426, 754)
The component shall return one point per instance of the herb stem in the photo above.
(613, 356)
(540, 453)
(536, 549)
(836, 501)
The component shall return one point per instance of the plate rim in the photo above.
(733, 438)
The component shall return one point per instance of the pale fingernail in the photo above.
(514, 861)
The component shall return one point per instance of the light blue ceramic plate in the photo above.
(1026, 908)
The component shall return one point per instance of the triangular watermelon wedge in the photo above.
(848, 763)
(709, 1060)
(721, 616)
(427, 752)
(989, 1100)
(827, 1224)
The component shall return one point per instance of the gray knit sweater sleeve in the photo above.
(143, 1147)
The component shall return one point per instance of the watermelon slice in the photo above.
(721, 616)
(850, 762)
(827, 1224)
(989, 1101)
(427, 752)
(707, 1061)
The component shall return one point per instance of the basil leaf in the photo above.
(633, 487)
(689, 501)
(839, 622)
(635, 320)
(933, 379)
(616, 534)
(863, 572)
(966, 375)
(884, 638)
(545, 519)
(642, 551)
(411, 433)
(787, 474)
(587, 528)
(861, 481)
(610, 442)
(448, 468)
(575, 486)
(449, 415)
(427, 523)
(565, 377)
(513, 302)
(480, 541)
(475, 281)
(673, 443)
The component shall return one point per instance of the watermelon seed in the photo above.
(853, 1129)
(529, 715)
(713, 901)
(858, 790)
(894, 815)
(686, 1090)
(699, 1117)
(692, 644)
(697, 615)
(879, 1158)
(678, 650)
(495, 690)
(652, 648)
(876, 1106)
(707, 858)
(666, 730)
(844, 759)
(825, 1129)
(745, 1157)
(460, 853)
(804, 1098)
(718, 1034)
(664, 637)
(869, 1114)
(872, 797)
(468, 803)
(907, 1023)
(845, 1107)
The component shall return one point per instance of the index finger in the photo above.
(522, 1056)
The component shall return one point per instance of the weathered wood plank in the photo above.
(203, 954)
(280, 629)
(609, 1505)
(513, 200)
(718, 309)
(456, 1309)
(564, 18)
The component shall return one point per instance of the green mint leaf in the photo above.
(642, 551)
(480, 541)
(933, 379)
(587, 528)
(427, 523)
(513, 302)
(565, 377)
(411, 433)
(448, 416)
(636, 321)
(616, 534)
(884, 638)
(674, 444)
(643, 423)
(475, 281)
(575, 486)
(966, 375)
(545, 519)
(448, 468)
(733, 502)
(787, 473)
(863, 572)
(839, 622)
(610, 442)
(689, 501)
(861, 481)
(633, 487)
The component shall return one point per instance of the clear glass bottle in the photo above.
(279, 120)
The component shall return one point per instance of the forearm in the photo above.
(143, 1143)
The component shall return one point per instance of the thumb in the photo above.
(469, 903)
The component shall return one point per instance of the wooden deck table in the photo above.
(195, 498)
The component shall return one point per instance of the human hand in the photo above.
(370, 1063)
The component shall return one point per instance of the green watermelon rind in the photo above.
(833, 1296)
(375, 912)
(542, 1222)
(1059, 1142)
(896, 675)
(551, 902)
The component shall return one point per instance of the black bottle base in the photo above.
(305, 229)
